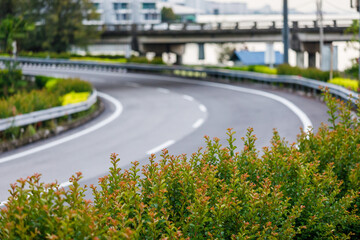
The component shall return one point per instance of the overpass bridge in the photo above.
(172, 37)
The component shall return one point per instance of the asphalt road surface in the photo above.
(145, 113)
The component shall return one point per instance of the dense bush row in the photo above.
(66, 55)
(307, 190)
(144, 60)
(345, 82)
(254, 68)
(11, 80)
(353, 71)
(50, 93)
(312, 73)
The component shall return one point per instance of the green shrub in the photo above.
(64, 86)
(347, 83)
(254, 68)
(312, 73)
(239, 68)
(285, 69)
(51, 95)
(11, 79)
(134, 59)
(100, 59)
(41, 81)
(45, 55)
(67, 55)
(307, 190)
(23, 102)
(265, 69)
(157, 60)
(353, 71)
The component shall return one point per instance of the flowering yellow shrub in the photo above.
(74, 97)
(345, 82)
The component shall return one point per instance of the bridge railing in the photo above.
(240, 25)
(309, 86)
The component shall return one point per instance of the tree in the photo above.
(11, 29)
(225, 52)
(11, 8)
(61, 24)
(168, 15)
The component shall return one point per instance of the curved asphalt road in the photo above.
(157, 111)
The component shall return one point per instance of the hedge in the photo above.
(305, 190)
(347, 83)
(254, 68)
(312, 73)
(53, 92)
(11, 80)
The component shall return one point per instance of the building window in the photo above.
(118, 6)
(96, 6)
(123, 17)
(151, 16)
(149, 6)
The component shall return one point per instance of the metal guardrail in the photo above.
(48, 114)
(295, 82)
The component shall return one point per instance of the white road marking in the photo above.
(65, 184)
(198, 123)
(306, 122)
(117, 113)
(163, 90)
(2, 204)
(189, 98)
(202, 108)
(161, 147)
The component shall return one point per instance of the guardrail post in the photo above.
(273, 25)
(255, 25)
(315, 24)
(184, 26)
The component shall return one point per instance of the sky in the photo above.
(339, 6)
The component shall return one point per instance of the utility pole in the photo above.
(286, 31)
(321, 27)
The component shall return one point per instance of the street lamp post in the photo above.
(286, 31)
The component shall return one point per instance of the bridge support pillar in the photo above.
(179, 50)
(179, 59)
(312, 59)
(300, 59)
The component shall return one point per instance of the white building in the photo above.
(198, 5)
(225, 8)
(128, 11)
